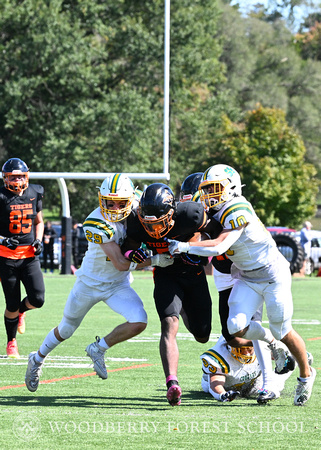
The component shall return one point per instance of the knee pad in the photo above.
(234, 325)
(67, 328)
(37, 301)
(279, 330)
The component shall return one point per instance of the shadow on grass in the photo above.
(196, 398)
(108, 402)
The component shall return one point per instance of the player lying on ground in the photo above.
(229, 372)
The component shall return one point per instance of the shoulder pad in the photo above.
(99, 226)
(217, 360)
(38, 188)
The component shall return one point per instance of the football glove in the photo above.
(161, 260)
(10, 243)
(229, 396)
(137, 256)
(177, 246)
(38, 246)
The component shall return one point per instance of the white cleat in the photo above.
(304, 389)
(97, 355)
(33, 373)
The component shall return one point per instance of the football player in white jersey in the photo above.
(229, 372)
(224, 282)
(262, 273)
(104, 276)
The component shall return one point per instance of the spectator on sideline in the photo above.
(21, 232)
(49, 236)
(305, 238)
(75, 243)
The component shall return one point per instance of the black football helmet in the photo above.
(15, 167)
(189, 188)
(156, 209)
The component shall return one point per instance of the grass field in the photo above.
(73, 408)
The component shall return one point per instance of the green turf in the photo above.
(129, 410)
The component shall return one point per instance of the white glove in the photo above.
(161, 260)
(177, 246)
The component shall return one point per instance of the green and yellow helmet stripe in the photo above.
(222, 362)
(205, 174)
(196, 197)
(114, 182)
(100, 225)
(236, 207)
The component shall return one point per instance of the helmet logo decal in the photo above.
(229, 171)
(168, 199)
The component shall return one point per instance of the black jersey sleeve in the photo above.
(190, 218)
(213, 228)
(39, 192)
(134, 235)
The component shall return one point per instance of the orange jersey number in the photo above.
(19, 221)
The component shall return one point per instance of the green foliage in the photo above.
(263, 66)
(81, 87)
(270, 158)
(309, 43)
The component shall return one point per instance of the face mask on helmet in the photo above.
(119, 189)
(220, 183)
(189, 189)
(156, 210)
(15, 174)
(245, 355)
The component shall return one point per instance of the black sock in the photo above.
(171, 382)
(11, 327)
(23, 307)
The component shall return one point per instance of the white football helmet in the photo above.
(219, 184)
(116, 187)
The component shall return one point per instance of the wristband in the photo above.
(132, 266)
(216, 395)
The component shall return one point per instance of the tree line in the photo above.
(82, 91)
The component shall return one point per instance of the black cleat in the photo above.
(265, 396)
(289, 365)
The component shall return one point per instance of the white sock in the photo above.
(257, 332)
(305, 380)
(50, 342)
(263, 354)
(102, 343)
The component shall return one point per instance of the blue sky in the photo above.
(300, 11)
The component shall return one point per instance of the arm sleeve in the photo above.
(219, 249)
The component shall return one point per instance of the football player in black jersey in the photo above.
(21, 232)
(180, 289)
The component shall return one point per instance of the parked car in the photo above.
(288, 242)
(278, 230)
(82, 245)
(315, 256)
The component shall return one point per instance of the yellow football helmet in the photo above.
(244, 354)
